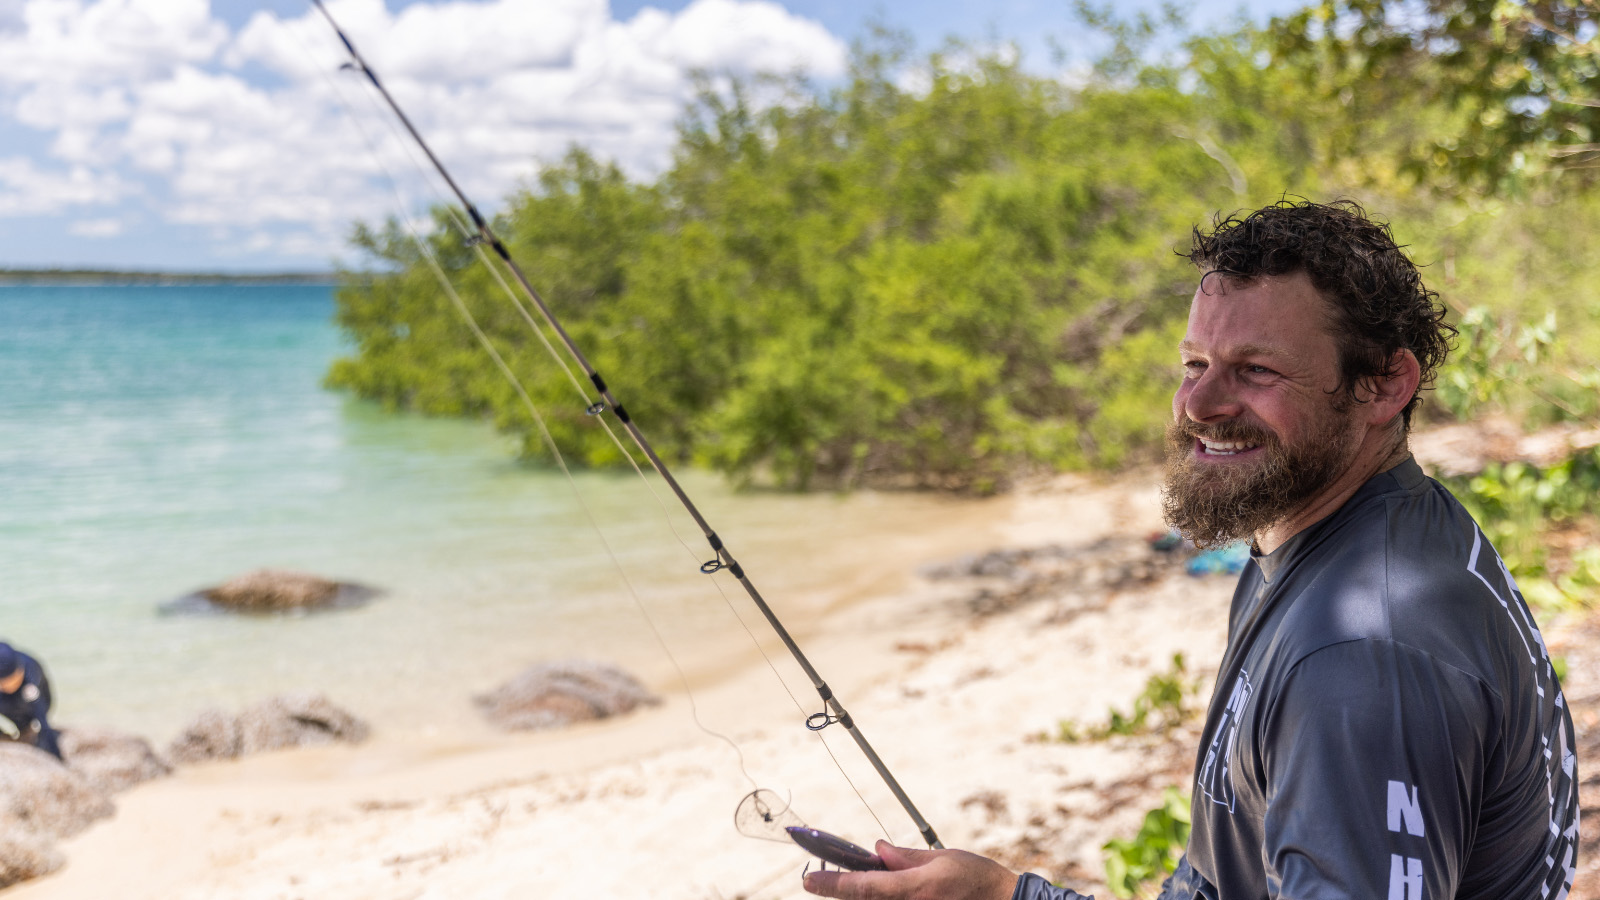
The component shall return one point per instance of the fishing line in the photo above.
(448, 287)
(723, 557)
(588, 403)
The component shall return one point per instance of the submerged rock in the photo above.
(550, 695)
(274, 591)
(110, 760)
(277, 723)
(41, 798)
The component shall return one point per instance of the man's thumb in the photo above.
(897, 858)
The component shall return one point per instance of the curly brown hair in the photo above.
(1379, 303)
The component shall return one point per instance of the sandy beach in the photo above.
(953, 679)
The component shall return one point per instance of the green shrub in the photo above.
(1159, 707)
(1517, 504)
(1154, 852)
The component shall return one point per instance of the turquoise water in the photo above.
(155, 440)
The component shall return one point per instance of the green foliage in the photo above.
(1516, 78)
(1153, 853)
(1517, 504)
(940, 287)
(1159, 707)
(950, 284)
(1500, 364)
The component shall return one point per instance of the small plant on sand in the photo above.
(1159, 707)
(1153, 853)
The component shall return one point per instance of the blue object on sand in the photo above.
(1227, 560)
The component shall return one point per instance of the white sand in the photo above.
(643, 806)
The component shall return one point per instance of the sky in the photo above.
(221, 135)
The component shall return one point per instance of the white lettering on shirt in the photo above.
(1405, 877)
(1405, 807)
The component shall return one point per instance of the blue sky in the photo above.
(195, 135)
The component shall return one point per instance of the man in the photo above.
(1386, 721)
(25, 701)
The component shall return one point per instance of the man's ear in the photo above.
(1389, 394)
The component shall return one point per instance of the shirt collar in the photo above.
(1405, 476)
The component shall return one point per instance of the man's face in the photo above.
(10, 683)
(1259, 423)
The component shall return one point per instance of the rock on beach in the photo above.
(553, 694)
(111, 761)
(277, 723)
(24, 856)
(42, 797)
(41, 800)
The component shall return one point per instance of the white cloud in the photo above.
(106, 42)
(26, 189)
(247, 132)
(96, 228)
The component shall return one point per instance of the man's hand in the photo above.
(919, 875)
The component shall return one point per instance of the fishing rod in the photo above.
(722, 557)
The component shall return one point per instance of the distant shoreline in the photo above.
(111, 277)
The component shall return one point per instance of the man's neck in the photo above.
(1369, 461)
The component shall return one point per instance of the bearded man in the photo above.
(1386, 721)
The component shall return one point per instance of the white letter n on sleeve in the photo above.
(1405, 806)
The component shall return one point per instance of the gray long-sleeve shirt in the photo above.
(1386, 722)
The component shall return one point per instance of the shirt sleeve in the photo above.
(1371, 755)
(1033, 887)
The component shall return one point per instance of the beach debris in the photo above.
(277, 723)
(1227, 560)
(274, 591)
(1010, 577)
(109, 760)
(1013, 576)
(24, 856)
(553, 694)
(40, 796)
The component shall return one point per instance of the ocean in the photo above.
(158, 440)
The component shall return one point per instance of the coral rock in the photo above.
(281, 722)
(109, 760)
(24, 856)
(549, 695)
(41, 797)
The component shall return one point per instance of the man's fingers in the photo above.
(823, 884)
(897, 858)
(855, 885)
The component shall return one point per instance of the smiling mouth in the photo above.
(1225, 448)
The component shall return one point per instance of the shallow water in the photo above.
(155, 440)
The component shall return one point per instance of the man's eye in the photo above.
(1258, 370)
(1194, 365)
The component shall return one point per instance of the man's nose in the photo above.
(1210, 398)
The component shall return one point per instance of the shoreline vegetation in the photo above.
(953, 271)
(67, 277)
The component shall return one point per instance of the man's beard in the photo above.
(1215, 504)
